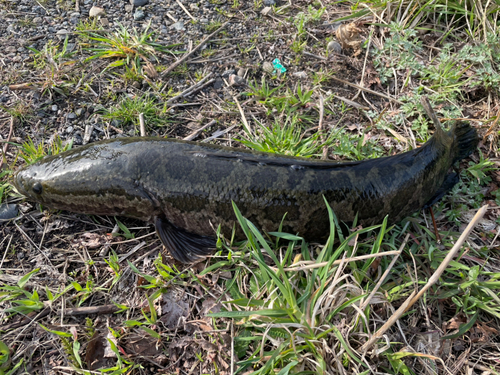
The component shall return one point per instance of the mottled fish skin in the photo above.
(192, 184)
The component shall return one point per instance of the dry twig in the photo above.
(6, 147)
(186, 56)
(414, 297)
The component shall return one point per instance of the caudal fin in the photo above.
(466, 140)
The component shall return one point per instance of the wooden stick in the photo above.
(6, 147)
(367, 90)
(142, 125)
(320, 126)
(185, 10)
(186, 56)
(87, 310)
(367, 301)
(410, 301)
(190, 89)
(194, 134)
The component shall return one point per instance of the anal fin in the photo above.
(448, 183)
(184, 246)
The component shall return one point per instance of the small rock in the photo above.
(104, 22)
(204, 21)
(37, 20)
(139, 3)
(61, 34)
(228, 72)
(218, 83)
(179, 26)
(69, 130)
(17, 58)
(116, 123)
(129, 8)
(267, 67)
(10, 49)
(136, 84)
(71, 116)
(235, 80)
(77, 139)
(54, 108)
(269, 3)
(8, 211)
(300, 75)
(139, 15)
(79, 112)
(334, 46)
(75, 14)
(193, 7)
(96, 11)
(265, 11)
(242, 72)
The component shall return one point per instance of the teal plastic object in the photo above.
(278, 67)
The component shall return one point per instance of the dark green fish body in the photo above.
(187, 188)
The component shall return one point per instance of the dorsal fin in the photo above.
(274, 160)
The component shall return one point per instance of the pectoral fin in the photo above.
(447, 185)
(184, 246)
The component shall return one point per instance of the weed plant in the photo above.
(127, 111)
(127, 48)
(55, 64)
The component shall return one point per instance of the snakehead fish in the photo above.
(186, 189)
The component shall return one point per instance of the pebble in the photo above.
(139, 15)
(265, 11)
(235, 80)
(69, 129)
(129, 8)
(54, 108)
(228, 72)
(10, 49)
(267, 67)
(269, 3)
(242, 72)
(71, 116)
(300, 75)
(179, 26)
(218, 83)
(104, 22)
(139, 3)
(61, 34)
(334, 46)
(79, 112)
(37, 20)
(96, 11)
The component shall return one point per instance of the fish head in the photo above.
(92, 180)
(61, 181)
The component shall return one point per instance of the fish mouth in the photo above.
(22, 182)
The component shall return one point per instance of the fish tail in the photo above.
(466, 140)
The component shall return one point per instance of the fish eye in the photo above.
(37, 188)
